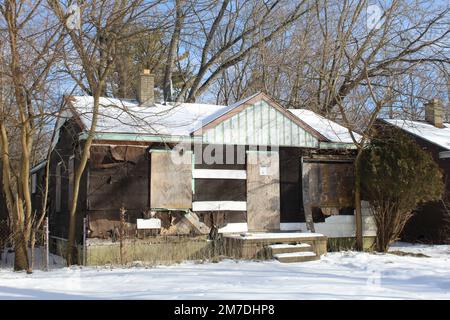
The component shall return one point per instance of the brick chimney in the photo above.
(146, 88)
(434, 113)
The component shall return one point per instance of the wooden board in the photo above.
(171, 180)
(330, 183)
(263, 191)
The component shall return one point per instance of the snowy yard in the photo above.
(343, 275)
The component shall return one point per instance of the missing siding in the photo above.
(112, 156)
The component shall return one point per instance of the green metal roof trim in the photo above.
(138, 137)
(336, 145)
(166, 138)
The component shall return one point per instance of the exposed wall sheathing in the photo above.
(330, 183)
(118, 176)
(327, 187)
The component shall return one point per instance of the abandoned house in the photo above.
(431, 223)
(184, 168)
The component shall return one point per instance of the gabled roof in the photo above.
(182, 119)
(425, 131)
(249, 101)
(333, 131)
(121, 117)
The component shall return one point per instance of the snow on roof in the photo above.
(329, 129)
(426, 131)
(127, 116)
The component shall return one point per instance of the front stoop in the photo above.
(300, 252)
(263, 246)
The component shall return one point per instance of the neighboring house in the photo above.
(432, 220)
(251, 166)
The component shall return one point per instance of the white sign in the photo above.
(152, 223)
(263, 171)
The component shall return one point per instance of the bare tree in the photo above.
(173, 48)
(338, 63)
(219, 35)
(30, 44)
(103, 25)
(331, 50)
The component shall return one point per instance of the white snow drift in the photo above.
(343, 275)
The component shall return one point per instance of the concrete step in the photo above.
(288, 248)
(296, 257)
(277, 237)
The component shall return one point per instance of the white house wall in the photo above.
(260, 124)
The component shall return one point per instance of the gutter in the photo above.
(178, 139)
(336, 145)
(37, 167)
(138, 137)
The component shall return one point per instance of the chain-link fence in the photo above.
(5, 234)
(38, 257)
(155, 239)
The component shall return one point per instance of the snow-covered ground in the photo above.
(342, 275)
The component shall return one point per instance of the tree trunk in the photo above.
(20, 253)
(32, 246)
(167, 88)
(358, 213)
(71, 244)
(122, 235)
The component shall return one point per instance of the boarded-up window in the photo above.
(33, 183)
(58, 187)
(71, 168)
(328, 183)
(171, 179)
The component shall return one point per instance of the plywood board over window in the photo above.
(171, 179)
(263, 191)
